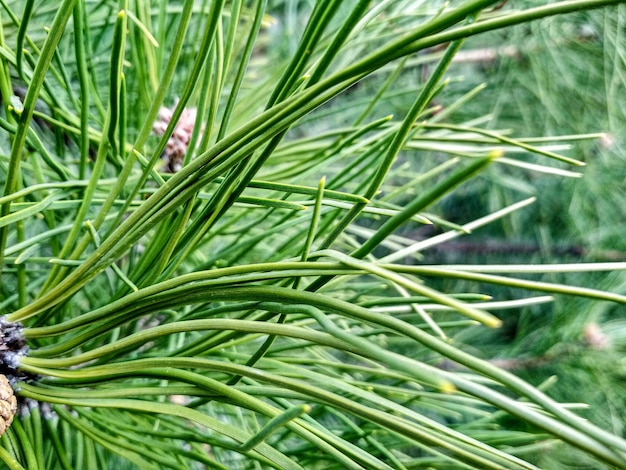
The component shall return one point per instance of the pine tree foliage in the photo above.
(213, 230)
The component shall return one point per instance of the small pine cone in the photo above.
(8, 404)
(178, 143)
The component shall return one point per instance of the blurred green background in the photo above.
(555, 77)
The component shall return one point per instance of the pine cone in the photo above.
(178, 143)
(8, 404)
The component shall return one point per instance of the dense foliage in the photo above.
(227, 236)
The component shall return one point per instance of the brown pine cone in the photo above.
(8, 404)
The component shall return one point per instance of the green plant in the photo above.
(249, 310)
